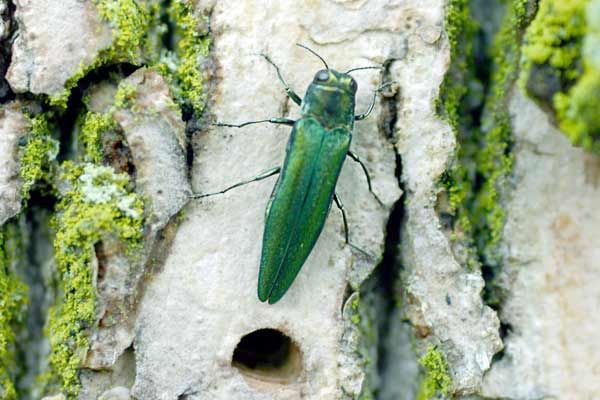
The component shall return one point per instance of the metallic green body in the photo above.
(302, 197)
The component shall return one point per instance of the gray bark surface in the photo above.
(169, 321)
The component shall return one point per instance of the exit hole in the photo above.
(268, 355)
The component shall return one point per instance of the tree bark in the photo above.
(472, 277)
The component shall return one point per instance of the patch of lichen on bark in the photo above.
(460, 28)
(138, 34)
(495, 160)
(183, 67)
(130, 22)
(483, 162)
(436, 379)
(562, 66)
(13, 300)
(38, 154)
(93, 126)
(96, 204)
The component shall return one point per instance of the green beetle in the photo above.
(300, 202)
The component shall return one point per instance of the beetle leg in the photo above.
(355, 157)
(340, 205)
(292, 95)
(259, 177)
(283, 121)
(364, 115)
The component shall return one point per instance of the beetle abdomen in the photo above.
(300, 203)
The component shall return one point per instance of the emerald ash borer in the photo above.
(305, 189)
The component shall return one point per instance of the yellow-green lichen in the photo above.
(97, 205)
(13, 299)
(561, 66)
(495, 161)
(577, 111)
(483, 160)
(38, 154)
(158, 29)
(460, 27)
(436, 380)
(125, 96)
(130, 21)
(355, 310)
(93, 125)
(137, 39)
(555, 38)
(183, 67)
(92, 128)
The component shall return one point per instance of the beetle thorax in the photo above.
(330, 99)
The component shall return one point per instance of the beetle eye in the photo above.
(353, 86)
(322, 76)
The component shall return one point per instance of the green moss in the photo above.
(460, 28)
(38, 154)
(436, 380)
(494, 162)
(13, 299)
(98, 205)
(484, 162)
(130, 21)
(562, 67)
(183, 67)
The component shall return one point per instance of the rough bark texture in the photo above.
(46, 31)
(219, 270)
(14, 127)
(551, 257)
(474, 278)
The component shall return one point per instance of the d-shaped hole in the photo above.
(268, 355)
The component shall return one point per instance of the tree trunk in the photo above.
(469, 271)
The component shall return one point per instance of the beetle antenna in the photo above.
(385, 84)
(314, 52)
(360, 68)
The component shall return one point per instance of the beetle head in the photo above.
(335, 80)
